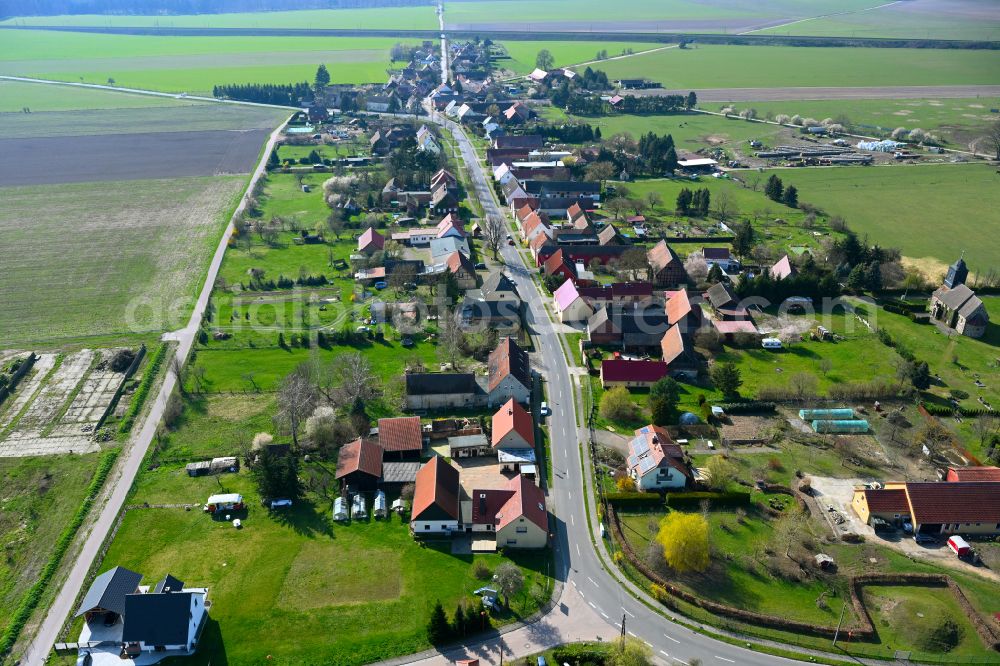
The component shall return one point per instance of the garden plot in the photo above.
(27, 388)
(58, 410)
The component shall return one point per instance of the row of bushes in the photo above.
(16, 370)
(687, 500)
(286, 283)
(944, 410)
(139, 397)
(581, 654)
(748, 406)
(905, 312)
(34, 595)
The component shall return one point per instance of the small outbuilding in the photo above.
(379, 507)
(224, 502)
(359, 509)
(340, 509)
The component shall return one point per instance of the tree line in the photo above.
(150, 7)
(284, 94)
(593, 105)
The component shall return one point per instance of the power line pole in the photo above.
(843, 609)
(623, 626)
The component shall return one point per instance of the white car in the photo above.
(544, 409)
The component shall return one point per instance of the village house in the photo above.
(525, 142)
(721, 257)
(436, 495)
(426, 141)
(655, 462)
(512, 427)
(444, 390)
(450, 225)
(516, 515)
(123, 619)
(667, 268)
(630, 373)
(956, 507)
(677, 352)
(509, 374)
(632, 327)
(460, 266)
(609, 235)
(370, 241)
(443, 201)
(681, 312)
(783, 269)
(442, 248)
(558, 264)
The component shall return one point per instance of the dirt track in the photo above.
(782, 94)
(113, 157)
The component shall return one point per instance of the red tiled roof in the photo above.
(575, 211)
(513, 417)
(538, 241)
(436, 486)
(672, 344)
(678, 306)
(528, 500)
(400, 434)
(890, 500)
(661, 256)
(956, 502)
(620, 370)
(508, 359)
(361, 455)
(557, 261)
(486, 504)
(524, 211)
(990, 474)
(782, 269)
(372, 238)
(457, 261)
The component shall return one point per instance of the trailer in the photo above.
(959, 545)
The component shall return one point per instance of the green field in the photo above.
(191, 64)
(132, 254)
(297, 583)
(15, 96)
(957, 121)
(564, 53)
(928, 210)
(401, 18)
(38, 496)
(710, 66)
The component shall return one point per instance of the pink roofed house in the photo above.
(572, 307)
(371, 241)
(783, 269)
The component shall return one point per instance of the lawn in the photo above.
(131, 261)
(910, 615)
(711, 66)
(957, 121)
(39, 496)
(382, 18)
(928, 210)
(191, 64)
(295, 586)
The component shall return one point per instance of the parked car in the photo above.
(84, 659)
(279, 503)
(407, 342)
(510, 241)
(480, 266)
(907, 527)
(544, 409)
(924, 538)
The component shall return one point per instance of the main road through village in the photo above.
(592, 604)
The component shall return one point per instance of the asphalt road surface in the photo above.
(577, 562)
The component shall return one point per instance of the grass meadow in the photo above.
(929, 210)
(39, 496)
(309, 590)
(713, 66)
(971, 19)
(15, 96)
(191, 64)
(523, 53)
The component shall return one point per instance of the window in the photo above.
(427, 527)
(522, 530)
(511, 542)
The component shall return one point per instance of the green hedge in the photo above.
(625, 500)
(139, 398)
(748, 406)
(942, 410)
(687, 500)
(34, 595)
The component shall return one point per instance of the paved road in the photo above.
(577, 563)
(824, 93)
(129, 464)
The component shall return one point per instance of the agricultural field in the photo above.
(191, 64)
(382, 18)
(67, 281)
(929, 207)
(297, 582)
(15, 96)
(564, 54)
(958, 122)
(713, 66)
(919, 19)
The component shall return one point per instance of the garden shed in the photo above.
(379, 506)
(359, 509)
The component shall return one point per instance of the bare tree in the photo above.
(633, 262)
(450, 338)
(617, 207)
(986, 426)
(803, 385)
(992, 138)
(600, 171)
(494, 234)
(653, 199)
(725, 205)
(344, 379)
(295, 401)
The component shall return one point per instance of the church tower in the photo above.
(958, 272)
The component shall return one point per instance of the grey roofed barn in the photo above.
(108, 591)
